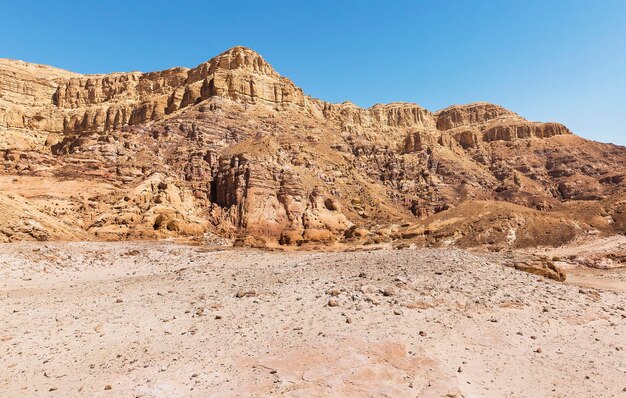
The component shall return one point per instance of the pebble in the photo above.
(249, 293)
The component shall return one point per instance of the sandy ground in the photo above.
(169, 320)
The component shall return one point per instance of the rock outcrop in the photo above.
(35, 97)
(233, 148)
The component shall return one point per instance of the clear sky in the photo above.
(548, 60)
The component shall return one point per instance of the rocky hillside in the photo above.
(231, 149)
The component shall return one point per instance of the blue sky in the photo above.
(547, 60)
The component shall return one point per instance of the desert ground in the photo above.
(164, 319)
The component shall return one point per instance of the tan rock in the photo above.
(232, 148)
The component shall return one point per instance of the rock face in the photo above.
(232, 148)
(36, 97)
(481, 122)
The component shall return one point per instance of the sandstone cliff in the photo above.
(232, 148)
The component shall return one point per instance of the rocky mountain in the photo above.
(232, 150)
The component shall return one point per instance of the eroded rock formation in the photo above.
(232, 148)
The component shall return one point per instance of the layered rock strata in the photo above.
(232, 148)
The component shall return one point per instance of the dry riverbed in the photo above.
(170, 320)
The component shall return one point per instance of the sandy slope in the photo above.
(167, 320)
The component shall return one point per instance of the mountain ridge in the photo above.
(232, 148)
(230, 59)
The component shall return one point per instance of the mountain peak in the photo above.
(240, 57)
